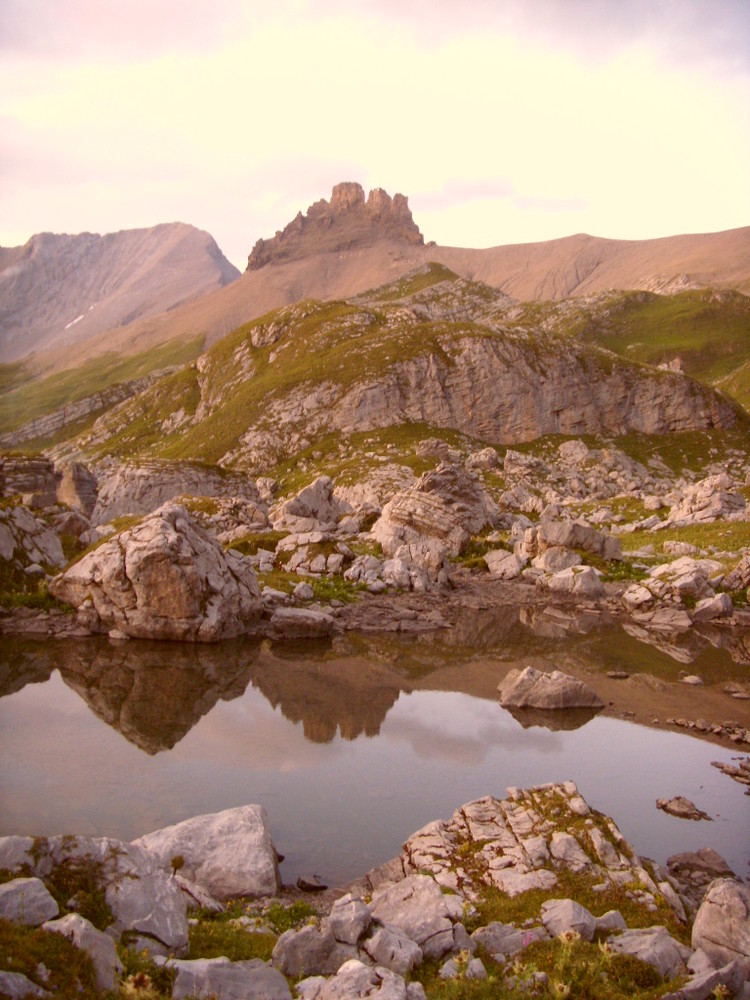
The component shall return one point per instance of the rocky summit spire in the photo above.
(344, 222)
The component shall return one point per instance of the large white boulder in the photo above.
(228, 853)
(164, 578)
(722, 924)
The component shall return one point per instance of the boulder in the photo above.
(655, 946)
(555, 559)
(561, 915)
(314, 507)
(681, 807)
(355, 980)
(391, 947)
(16, 986)
(532, 688)
(500, 939)
(349, 919)
(27, 901)
(579, 581)
(98, 946)
(300, 623)
(218, 977)
(228, 853)
(446, 504)
(416, 906)
(722, 924)
(503, 565)
(711, 608)
(27, 539)
(164, 578)
(311, 950)
(577, 535)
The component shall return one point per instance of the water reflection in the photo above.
(155, 693)
(353, 743)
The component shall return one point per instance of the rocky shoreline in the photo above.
(537, 873)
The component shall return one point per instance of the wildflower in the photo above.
(562, 990)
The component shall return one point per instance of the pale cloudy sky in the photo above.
(503, 120)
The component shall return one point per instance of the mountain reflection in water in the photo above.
(355, 742)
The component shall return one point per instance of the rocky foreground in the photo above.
(539, 873)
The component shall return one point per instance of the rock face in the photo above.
(229, 853)
(722, 924)
(435, 516)
(346, 222)
(141, 489)
(60, 289)
(165, 578)
(531, 688)
(27, 540)
(313, 508)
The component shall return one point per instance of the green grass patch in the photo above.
(35, 397)
(250, 543)
(708, 330)
(496, 905)
(721, 536)
(416, 281)
(214, 938)
(26, 949)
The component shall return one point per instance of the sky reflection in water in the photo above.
(338, 804)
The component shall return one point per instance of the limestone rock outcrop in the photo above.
(164, 578)
(435, 516)
(346, 222)
(229, 853)
(143, 898)
(139, 489)
(315, 507)
(27, 540)
(722, 924)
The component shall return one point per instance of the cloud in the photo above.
(522, 122)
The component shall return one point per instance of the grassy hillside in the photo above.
(708, 330)
(268, 377)
(24, 397)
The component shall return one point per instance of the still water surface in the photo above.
(350, 749)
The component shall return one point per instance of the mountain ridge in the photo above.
(57, 289)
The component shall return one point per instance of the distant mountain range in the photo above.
(88, 320)
(59, 290)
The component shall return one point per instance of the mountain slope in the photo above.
(334, 252)
(59, 290)
(433, 349)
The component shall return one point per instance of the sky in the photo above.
(503, 121)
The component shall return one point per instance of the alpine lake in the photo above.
(354, 743)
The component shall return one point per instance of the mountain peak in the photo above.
(344, 222)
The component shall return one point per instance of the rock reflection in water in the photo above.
(558, 720)
(155, 695)
(351, 697)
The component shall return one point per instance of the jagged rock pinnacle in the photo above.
(347, 221)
